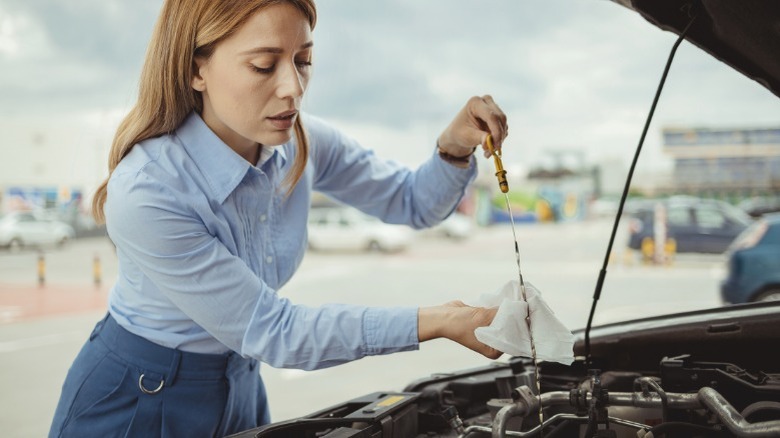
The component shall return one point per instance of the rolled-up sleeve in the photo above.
(163, 236)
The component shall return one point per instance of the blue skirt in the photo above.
(123, 385)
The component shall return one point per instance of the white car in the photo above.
(346, 228)
(457, 227)
(20, 228)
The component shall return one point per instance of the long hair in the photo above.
(186, 29)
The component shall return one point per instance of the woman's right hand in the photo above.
(456, 321)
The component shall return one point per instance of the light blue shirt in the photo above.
(205, 240)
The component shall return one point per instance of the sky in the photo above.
(572, 75)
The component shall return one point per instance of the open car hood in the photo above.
(743, 34)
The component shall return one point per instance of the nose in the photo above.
(291, 83)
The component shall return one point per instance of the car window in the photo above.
(709, 217)
(737, 215)
(26, 217)
(679, 216)
(772, 235)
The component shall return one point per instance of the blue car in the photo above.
(693, 225)
(754, 264)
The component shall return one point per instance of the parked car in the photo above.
(20, 229)
(758, 206)
(753, 267)
(83, 223)
(457, 226)
(692, 225)
(345, 228)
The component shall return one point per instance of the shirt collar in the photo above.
(277, 154)
(222, 168)
(220, 165)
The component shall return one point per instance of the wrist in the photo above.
(457, 159)
(431, 322)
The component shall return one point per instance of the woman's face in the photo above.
(253, 83)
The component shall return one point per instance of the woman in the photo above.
(210, 181)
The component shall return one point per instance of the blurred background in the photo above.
(576, 80)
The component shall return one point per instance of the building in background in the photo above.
(724, 163)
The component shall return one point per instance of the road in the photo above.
(42, 328)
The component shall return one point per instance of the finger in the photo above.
(499, 114)
(487, 114)
(492, 353)
(486, 350)
(474, 136)
(497, 109)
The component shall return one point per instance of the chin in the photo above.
(275, 138)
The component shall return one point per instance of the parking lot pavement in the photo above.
(49, 281)
(24, 302)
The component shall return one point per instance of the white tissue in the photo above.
(509, 331)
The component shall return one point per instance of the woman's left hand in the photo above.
(457, 321)
(481, 116)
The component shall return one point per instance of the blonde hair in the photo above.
(186, 29)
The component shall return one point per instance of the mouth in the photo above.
(283, 120)
(286, 115)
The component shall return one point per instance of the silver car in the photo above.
(345, 228)
(19, 229)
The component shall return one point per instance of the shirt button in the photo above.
(269, 259)
(263, 218)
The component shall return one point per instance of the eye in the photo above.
(262, 70)
(303, 64)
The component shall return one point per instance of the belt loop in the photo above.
(174, 369)
(99, 326)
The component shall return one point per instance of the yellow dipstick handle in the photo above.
(500, 172)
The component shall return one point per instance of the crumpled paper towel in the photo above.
(509, 331)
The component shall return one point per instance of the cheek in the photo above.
(242, 95)
(259, 90)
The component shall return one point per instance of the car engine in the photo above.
(709, 373)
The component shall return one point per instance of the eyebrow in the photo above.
(274, 50)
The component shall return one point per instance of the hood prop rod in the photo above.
(627, 185)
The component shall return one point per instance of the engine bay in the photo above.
(708, 373)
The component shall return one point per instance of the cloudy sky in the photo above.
(574, 75)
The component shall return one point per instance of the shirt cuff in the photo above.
(390, 330)
(453, 174)
(441, 186)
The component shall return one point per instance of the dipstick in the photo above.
(503, 185)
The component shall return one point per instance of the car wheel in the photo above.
(769, 295)
(62, 242)
(374, 246)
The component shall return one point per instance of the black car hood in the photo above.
(743, 34)
(723, 334)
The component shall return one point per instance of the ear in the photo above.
(198, 82)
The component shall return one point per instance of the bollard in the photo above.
(41, 269)
(670, 250)
(96, 271)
